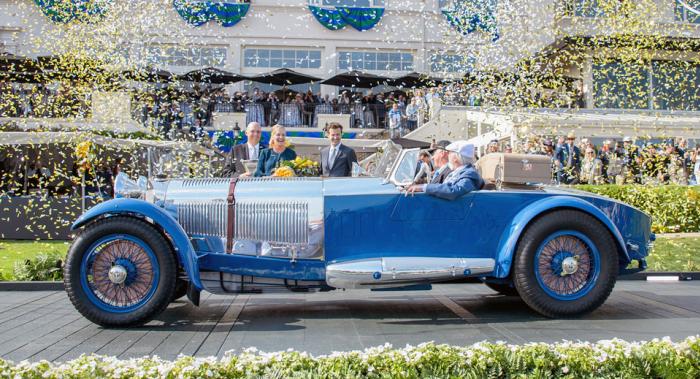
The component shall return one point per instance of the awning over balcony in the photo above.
(284, 76)
(356, 79)
(212, 75)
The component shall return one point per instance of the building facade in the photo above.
(409, 36)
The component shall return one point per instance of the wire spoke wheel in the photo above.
(567, 265)
(119, 273)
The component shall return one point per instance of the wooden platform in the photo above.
(44, 325)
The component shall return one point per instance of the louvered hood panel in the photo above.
(271, 216)
(201, 205)
(281, 211)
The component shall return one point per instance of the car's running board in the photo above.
(402, 271)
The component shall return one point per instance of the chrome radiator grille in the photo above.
(273, 221)
(203, 217)
(204, 182)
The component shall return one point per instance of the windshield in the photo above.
(406, 168)
(380, 163)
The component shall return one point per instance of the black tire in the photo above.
(596, 290)
(503, 289)
(131, 227)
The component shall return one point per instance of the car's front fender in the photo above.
(143, 209)
(510, 236)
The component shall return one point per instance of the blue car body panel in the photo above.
(482, 224)
(366, 218)
(264, 267)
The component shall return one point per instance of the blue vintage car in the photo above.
(560, 250)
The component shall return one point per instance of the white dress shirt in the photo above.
(253, 151)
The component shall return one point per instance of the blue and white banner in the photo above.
(470, 16)
(199, 12)
(62, 11)
(336, 14)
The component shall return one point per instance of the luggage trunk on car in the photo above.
(500, 168)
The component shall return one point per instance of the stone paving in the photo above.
(44, 325)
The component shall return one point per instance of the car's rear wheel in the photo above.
(566, 264)
(120, 271)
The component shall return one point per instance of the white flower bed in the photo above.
(613, 359)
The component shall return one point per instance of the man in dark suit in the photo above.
(337, 159)
(246, 151)
(440, 160)
(568, 157)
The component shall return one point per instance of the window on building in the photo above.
(451, 62)
(281, 58)
(586, 8)
(663, 85)
(688, 11)
(623, 85)
(375, 61)
(593, 8)
(186, 56)
(676, 85)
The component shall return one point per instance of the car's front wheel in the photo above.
(120, 271)
(566, 264)
(505, 289)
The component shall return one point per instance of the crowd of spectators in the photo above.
(614, 162)
(39, 100)
(494, 92)
(39, 178)
(175, 112)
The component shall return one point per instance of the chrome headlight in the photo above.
(125, 187)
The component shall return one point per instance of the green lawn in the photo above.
(670, 254)
(675, 254)
(18, 251)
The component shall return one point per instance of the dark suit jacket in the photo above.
(343, 161)
(233, 165)
(441, 177)
(562, 155)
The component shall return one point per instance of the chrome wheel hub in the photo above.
(117, 274)
(569, 266)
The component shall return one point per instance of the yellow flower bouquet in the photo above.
(298, 167)
(284, 172)
(85, 154)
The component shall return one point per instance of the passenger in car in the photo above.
(463, 179)
(440, 162)
(275, 154)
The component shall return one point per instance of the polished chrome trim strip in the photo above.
(395, 271)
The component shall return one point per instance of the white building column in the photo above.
(587, 74)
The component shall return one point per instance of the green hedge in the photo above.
(605, 359)
(674, 209)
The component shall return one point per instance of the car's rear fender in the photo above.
(511, 235)
(156, 216)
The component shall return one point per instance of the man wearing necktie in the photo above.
(244, 152)
(568, 157)
(337, 159)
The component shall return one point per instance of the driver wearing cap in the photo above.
(463, 179)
